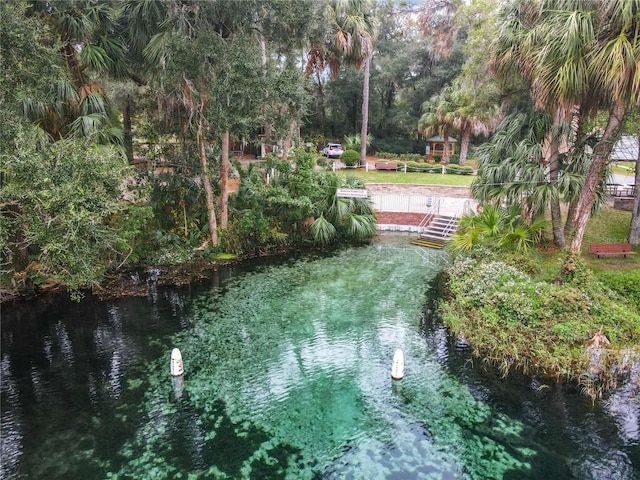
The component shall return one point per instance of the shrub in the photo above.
(454, 159)
(573, 270)
(250, 232)
(354, 142)
(350, 158)
(437, 158)
(459, 169)
(423, 167)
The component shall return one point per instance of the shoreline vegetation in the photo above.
(515, 311)
(574, 328)
(550, 314)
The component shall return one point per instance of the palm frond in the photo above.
(360, 227)
(95, 58)
(94, 103)
(322, 231)
(85, 125)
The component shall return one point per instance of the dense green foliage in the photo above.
(26, 66)
(63, 198)
(182, 85)
(539, 327)
(295, 205)
(495, 227)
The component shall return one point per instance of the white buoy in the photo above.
(177, 368)
(397, 367)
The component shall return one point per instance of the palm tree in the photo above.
(477, 111)
(495, 227)
(575, 53)
(514, 171)
(438, 117)
(90, 44)
(477, 95)
(614, 68)
(524, 48)
(353, 218)
(138, 22)
(511, 165)
(352, 29)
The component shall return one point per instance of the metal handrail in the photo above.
(425, 221)
(448, 227)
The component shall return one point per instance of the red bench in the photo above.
(386, 166)
(611, 249)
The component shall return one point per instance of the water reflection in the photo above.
(287, 375)
(11, 439)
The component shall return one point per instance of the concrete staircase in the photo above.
(437, 232)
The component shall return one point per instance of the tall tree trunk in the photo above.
(126, 123)
(224, 181)
(323, 110)
(465, 138)
(571, 218)
(263, 55)
(447, 149)
(634, 231)
(288, 142)
(553, 161)
(556, 211)
(211, 209)
(597, 170)
(365, 113)
(266, 128)
(576, 127)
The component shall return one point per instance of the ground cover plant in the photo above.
(574, 328)
(539, 309)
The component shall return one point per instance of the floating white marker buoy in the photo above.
(397, 367)
(177, 368)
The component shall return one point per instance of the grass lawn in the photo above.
(607, 226)
(375, 176)
(623, 168)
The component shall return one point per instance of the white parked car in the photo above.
(332, 150)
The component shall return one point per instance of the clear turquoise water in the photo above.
(287, 375)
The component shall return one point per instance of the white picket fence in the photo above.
(422, 204)
(405, 203)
